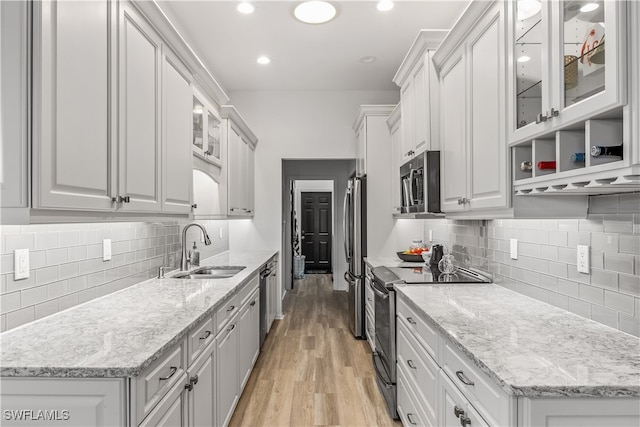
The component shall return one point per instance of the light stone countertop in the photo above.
(530, 348)
(122, 333)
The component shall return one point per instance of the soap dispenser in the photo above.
(194, 256)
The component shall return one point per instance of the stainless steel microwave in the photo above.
(420, 183)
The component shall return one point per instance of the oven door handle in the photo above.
(379, 374)
(379, 293)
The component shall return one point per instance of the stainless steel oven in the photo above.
(384, 358)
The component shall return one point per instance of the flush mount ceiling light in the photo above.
(589, 7)
(367, 59)
(528, 8)
(245, 8)
(315, 11)
(523, 58)
(263, 60)
(384, 5)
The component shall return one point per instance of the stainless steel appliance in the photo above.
(384, 280)
(265, 271)
(355, 246)
(420, 183)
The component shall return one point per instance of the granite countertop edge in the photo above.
(133, 371)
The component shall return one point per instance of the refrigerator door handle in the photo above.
(344, 227)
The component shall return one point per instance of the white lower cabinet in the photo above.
(201, 389)
(455, 408)
(171, 411)
(249, 346)
(227, 373)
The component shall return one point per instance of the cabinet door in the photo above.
(421, 111)
(487, 176)
(361, 149)
(249, 329)
(250, 168)
(171, 411)
(177, 170)
(201, 397)
(140, 151)
(72, 105)
(454, 139)
(274, 292)
(227, 373)
(455, 408)
(408, 116)
(13, 104)
(396, 162)
(237, 174)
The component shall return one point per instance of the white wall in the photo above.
(293, 125)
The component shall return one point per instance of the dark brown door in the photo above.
(316, 231)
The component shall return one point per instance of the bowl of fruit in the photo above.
(414, 254)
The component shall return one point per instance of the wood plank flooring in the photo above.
(312, 371)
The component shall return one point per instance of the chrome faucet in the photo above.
(185, 260)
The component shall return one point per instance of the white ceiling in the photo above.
(306, 57)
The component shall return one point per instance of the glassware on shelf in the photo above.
(578, 157)
(527, 49)
(609, 151)
(447, 264)
(548, 164)
(526, 166)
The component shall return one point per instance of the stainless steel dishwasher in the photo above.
(265, 271)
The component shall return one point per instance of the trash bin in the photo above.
(298, 266)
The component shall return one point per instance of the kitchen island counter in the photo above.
(120, 334)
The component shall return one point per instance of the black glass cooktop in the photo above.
(428, 274)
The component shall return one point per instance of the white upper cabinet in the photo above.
(206, 136)
(419, 89)
(176, 119)
(139, 102)
(14, 105)
(561, 72)
(394, 122)
(73, 113)
(473, 134)
(241, 143)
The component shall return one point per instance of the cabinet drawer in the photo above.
(157, 380)
(456, 409)
(226, 311)
(424, 333)
(408, 406)
(487, 397)
(369, 300)
(247, 290)
(420, 370)
(199, 338)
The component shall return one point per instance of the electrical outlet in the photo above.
(514, 248)
(220, 233)
(21, 264)
(431, 235)
(106, 249)
(583, 259)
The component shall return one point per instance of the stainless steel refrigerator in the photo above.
(355, 247)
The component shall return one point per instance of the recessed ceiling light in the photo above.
(384, 5)
(367, 59)
(528, 8)
(589, 7)
(263, 60)
(245, 8)
(315, 11)
(523, 58)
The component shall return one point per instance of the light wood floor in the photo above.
(312, 371)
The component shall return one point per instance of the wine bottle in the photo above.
(549, 164)
(602, 150)
(526, 166)
(578, 158)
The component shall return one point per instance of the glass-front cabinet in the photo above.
(568, 63)
(206, 131)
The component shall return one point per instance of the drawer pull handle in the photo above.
(410, 418)
(206, 335)
(411, 364)
(231, 308)
(231, 327)
(465, 421)
(457, 411)
(171, 373)
(462, 377)
(252, 303)
(194, 380)
(411, 321)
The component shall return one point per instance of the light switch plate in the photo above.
(220, 233)
(583, 259)
(431, 235)
(21, 264)
(106, 249)
(514, 248)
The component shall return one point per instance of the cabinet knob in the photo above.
(541, 118)
(411, 321)
(465, 421)
(194, 206)
(194, 380)
(553, 113)
(252, 303)
(457, 411)
(188, 386)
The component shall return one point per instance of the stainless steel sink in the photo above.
(212, 272)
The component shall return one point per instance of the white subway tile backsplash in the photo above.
(17, 285)
(57, 256)
(37, 259)
(10, 302)
(69, 270)
(567, 255)
(6, 263)
(629, 324)
(618, 224)
(622, 263)
(579, 307)
(19, 241)
(557, 269)
(597, 259)
(57, 289)
(629, 203)
(559, 300)
(606, 242)
(592, 294)
(47, 275)
(569, 288)
(605, 316)
(47, 240)
(558, 238)
(575, 238)
(77, 253)
(591, 224)
(630, 244)
(33, 296)
(69, 238)
(79, 283)
(46, 308)
(604, 279)
(68, 301)
(20, 317)
(629, 284)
